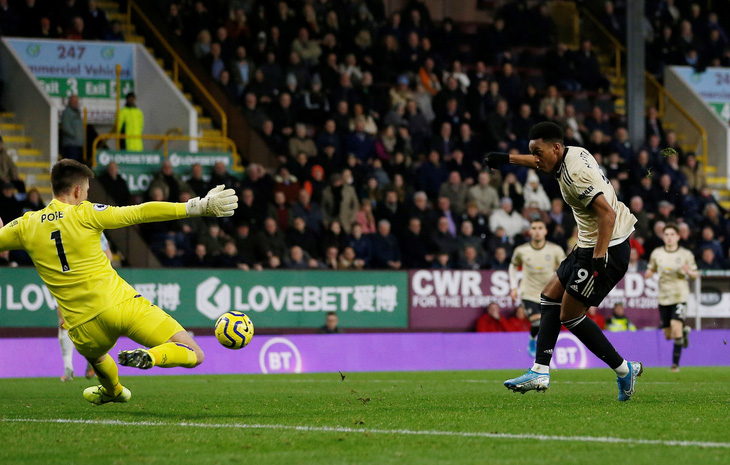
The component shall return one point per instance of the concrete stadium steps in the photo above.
(33, 165)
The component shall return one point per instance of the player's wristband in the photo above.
(496, 159)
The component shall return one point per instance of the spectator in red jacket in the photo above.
(596, 317)
(492, 320)
(518, 321)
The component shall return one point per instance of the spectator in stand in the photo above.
(555, 100)
(708, 260)
(199, 258)
(485, 196)
(8, 170)
(360, 143)
(10, 206)
(288, 184)
(270, 245)
(414, 247)
(96, 21)
(339, 202)
(72, 130)
(518, 321)
(360, 245)
(331, 324)
(491, 321)
(33, 201)
(511, 221)
(131, 124)
(230, 258)
(596, 317)
(250, 211)
(500, 260)
(654, 126)
(170, 257)
(116, 186)
(220, 175)
(619, 321)
(386, 252)
(636, 206)
(498, 130)
(170, 183)
(308, 210)
(467, 238)
(694, 174)
(196, 182)
(636, 263)
(297, 259)
(456, 192)
(443, 240)
(431, 174)
(587, 68)
(534, 192)
(300, 235)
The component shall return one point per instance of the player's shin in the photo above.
(593, 338)
(108, 375)
(548, 331)
(677, 352)
(67, 351)
(174, 354)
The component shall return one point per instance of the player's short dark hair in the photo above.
(547, 131)
(674, 226)
(68, 173)
(538, 220)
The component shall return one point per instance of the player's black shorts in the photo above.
(531, 308)
(672, 312)
(576, 274)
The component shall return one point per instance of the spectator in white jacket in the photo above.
(512, 222)
(534, 192)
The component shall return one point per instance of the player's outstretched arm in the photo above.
(496, 159)
(219, 202)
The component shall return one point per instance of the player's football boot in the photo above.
(138, 358)
(686, 330)
(532, 347)
(626, 384)
(530, 381)
(97, 396)
(674, 368)
(68, 375)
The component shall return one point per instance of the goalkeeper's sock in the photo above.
(108, 375)
(677, 350)
(67, 350)
(174, 354)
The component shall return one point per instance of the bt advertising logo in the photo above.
(569, 353)
(280, 355)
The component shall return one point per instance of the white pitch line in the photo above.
(408, 432)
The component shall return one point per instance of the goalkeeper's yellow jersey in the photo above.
(64, 242)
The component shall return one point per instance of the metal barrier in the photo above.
(224, 142)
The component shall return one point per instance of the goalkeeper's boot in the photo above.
(138, 358)
(627, 383)
(97, 396)
(686, 330)
(532, 347)
(530, 381)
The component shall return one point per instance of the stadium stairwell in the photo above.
(33, 166)
(217, 116)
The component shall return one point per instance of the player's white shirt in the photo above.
(538, 266)
(673, 284)
(581, 181)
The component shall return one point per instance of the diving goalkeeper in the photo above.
(96, 304)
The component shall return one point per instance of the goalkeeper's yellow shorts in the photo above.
(137, 318)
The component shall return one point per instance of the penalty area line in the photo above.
(407, 432)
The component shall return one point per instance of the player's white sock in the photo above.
(623, 369)
(542, 369)
(67, 349)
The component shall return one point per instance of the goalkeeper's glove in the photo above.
(496, 159)
(218, 202)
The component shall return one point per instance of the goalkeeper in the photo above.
(96, 304)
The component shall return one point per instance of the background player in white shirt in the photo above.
(538, 259)
(673, 264)
(592, 269)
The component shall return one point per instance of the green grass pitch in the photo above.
(372, 418)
